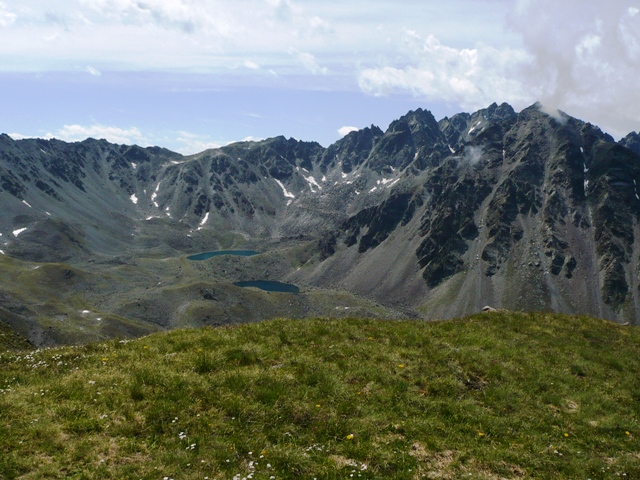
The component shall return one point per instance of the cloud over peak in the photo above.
(77, 133)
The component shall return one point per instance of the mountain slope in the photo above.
(433, 219)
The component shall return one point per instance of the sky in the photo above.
(195, 74)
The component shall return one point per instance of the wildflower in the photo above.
(318, 406)
(627, 433)
(350, 436)
(401, 365)
(566, 434)
(481, 434)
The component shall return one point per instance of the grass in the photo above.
(492, 396)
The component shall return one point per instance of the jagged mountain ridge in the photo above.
(517, 210)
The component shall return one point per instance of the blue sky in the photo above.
(194, 74)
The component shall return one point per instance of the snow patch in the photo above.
(586, 182)
(344, 175)
(25, 202)
(451, 149)
(134, 165)
(636, 189)
(373, 189)
(18, 231)
(85, 312)
(312, 182)
(134, 199)
(204, 220)
(48, 213)
(154, 195)
(289, 202)
(357, 192)
(43, 151)
(393, 183)
(387, 180)
(324, 178)
(2, 252)
(581, 150)
(284, 190)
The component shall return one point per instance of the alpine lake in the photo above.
(266, 285)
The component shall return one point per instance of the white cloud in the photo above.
(309, 62)
(18, 136)
(191, 143)
(251, 65)
(586, 58)
(471, 78)
(7, 18)
(343, 131)
(582, 57)
(75, 133)
(93, 71)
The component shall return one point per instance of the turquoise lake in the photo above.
(269, 286)
(239, 253)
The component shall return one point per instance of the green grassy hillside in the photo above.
(493, 396)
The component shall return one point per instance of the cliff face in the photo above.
(517, 210)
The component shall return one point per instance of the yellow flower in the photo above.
(317, 405)
(566, 434)
(481, 434)
(401, 365)
(350, 436)
(627, 433)
(370, 338)
(145, 347)
(104, 359)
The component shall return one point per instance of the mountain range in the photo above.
(430, 219)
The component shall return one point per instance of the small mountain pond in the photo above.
(266, 285)
(206, 255)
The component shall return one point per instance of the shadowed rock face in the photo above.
(518, 210)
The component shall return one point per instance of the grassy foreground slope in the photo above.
(499, 395)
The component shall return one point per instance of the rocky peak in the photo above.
(463, 128)
(5, 140)
(415, 139)
(632, 142)
(351, 150)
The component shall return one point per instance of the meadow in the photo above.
(491, 396)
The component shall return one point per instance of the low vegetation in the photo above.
(497, 395)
